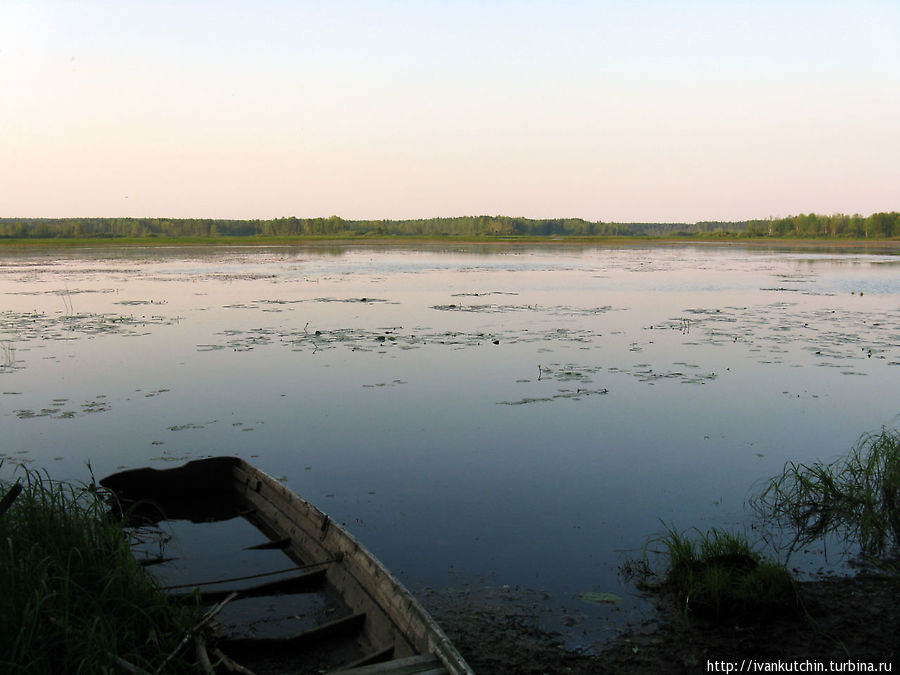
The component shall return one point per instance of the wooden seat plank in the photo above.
(347, 625)
(308, 582)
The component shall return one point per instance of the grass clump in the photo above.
(856, 497)
(72, 597)
(718, 575)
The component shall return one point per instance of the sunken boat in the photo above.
(342, 611)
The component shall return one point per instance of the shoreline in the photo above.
(868, 245)
(845, 618)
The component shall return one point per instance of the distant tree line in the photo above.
(878, 225)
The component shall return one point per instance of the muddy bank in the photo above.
(849, 619)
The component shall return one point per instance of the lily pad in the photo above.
(599, 598)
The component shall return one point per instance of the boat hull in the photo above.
(393, 628)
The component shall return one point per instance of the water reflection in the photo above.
(515, 417)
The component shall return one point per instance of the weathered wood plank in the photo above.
(378, 656)
(282, 543)
(308, 582)
(344, 626)
(424, 664)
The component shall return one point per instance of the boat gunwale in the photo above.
(355, 559)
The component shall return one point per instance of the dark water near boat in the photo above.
(479, 417)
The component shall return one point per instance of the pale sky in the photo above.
(614, 111)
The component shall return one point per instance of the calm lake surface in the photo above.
(480, 417)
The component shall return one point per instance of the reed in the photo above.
(856, 498)
(72, 597)
(7, 354)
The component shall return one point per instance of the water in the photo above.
(479, 417)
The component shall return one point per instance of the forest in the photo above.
(876, 226)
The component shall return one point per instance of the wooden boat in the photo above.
(374, 624)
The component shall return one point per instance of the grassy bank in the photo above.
(717, 575)
(72, 597)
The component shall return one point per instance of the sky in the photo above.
(614, 111)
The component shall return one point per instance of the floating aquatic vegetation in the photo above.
(136, 303)
(599, 598)
(95, 406)
(783, 327)
(356, 339)
(482, 294)
(526, 401)
(28, 326)
(394, 383)
(569, 373)
(557, 310)
(579, 393)
(478, 308)
(805, 395)
(151, 394)
(364, 300)
(74, 291)
(55, 409)
(645, 372)
(280, 302)
(561, 394)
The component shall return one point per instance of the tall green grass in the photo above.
(72, 597)
(856, 498)
(719, 575)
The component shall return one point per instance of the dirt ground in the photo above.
(849, 620)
